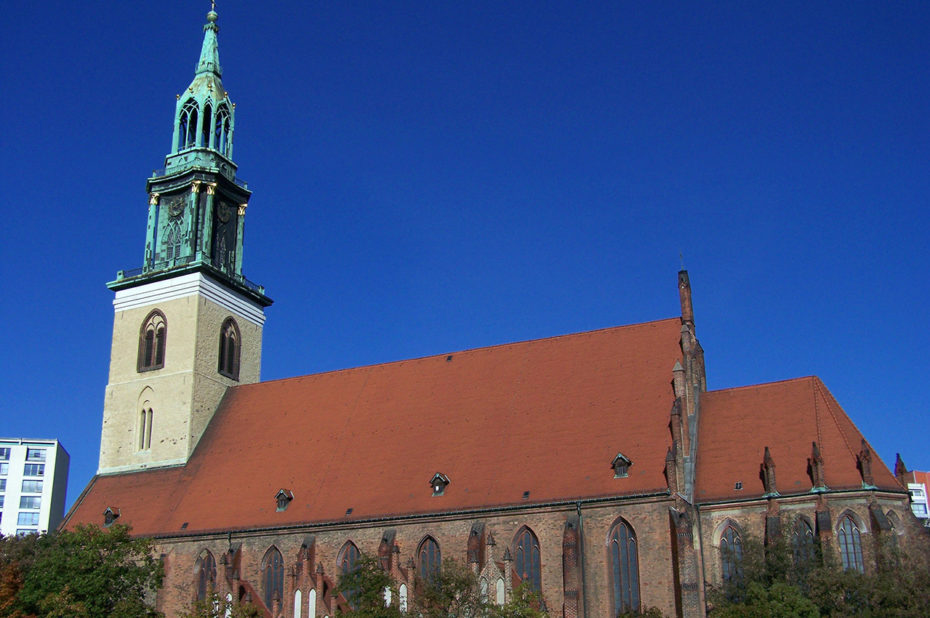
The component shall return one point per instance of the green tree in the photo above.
(451, 592)
(90, 572)
(364, 587)
(218, 607)
(17, 553)
(524, 603)
(776, 581)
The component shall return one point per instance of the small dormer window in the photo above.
(283, 498)
(109, 516)
(621, 465)
(439, 483)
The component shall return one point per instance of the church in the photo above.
(595, 468)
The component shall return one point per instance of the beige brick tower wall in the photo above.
(185, 393)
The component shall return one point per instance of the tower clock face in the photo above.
(224, 212)
(176, 206)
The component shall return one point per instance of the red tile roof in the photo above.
(545, 416)
(737, 424)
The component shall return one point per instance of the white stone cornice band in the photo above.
(189, 285)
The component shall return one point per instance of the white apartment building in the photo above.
(33, 483)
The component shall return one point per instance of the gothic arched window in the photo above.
(850, 544)
(526, 558)
(802, 541)
(206, 575)
(221, 131)
(187, 126)
(205, 131)
(230, 344)
(731, 553)
(173, 241)
(145, 428)
(347, 563)
(624, 568)
(272, 576)
(429, 559)
(152, 342)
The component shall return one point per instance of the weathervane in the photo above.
(212, 5)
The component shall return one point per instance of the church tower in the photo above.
(187, 324)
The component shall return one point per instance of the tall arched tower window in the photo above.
(850, 544)
(230, 344)
(526, 558)
(429, 559)
(145, 429)
(206, 575)
(221, 131)
(152, 342)
(187, 126)
(624, 568)
(207, 123)
(272, 576)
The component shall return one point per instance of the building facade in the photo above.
(595, 468)
(33, 484)
(918, 486)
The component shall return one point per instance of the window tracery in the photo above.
(206, 575)
(272, 576)
(152, 342)
(229, 349)
(624, 567)
(187, 126)
(848, 536)
(526, 559)
(429, 559)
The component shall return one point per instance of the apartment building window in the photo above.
(4, 468)
(1, 501)
(35, 454)
(5, 454)
(919, 509)
(28, 519)
(32, 487)
(30, 502)
(2, 484)
(34, 470)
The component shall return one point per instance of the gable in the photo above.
(737, 424)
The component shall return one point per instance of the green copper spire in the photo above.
(210, 53)
(203, 121)
(197, 204)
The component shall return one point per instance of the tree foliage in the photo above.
(774, 582)
(451, 592)
(218, 607)
(84, 572)
(364, 587)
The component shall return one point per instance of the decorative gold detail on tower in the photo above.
(242, 209)
(153, 199)
(195, 186)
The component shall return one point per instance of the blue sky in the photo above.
(437, 176)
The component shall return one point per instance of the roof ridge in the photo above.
(763, 384)
(820, 387)
(465, 351)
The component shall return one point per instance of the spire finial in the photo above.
(209, 54)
